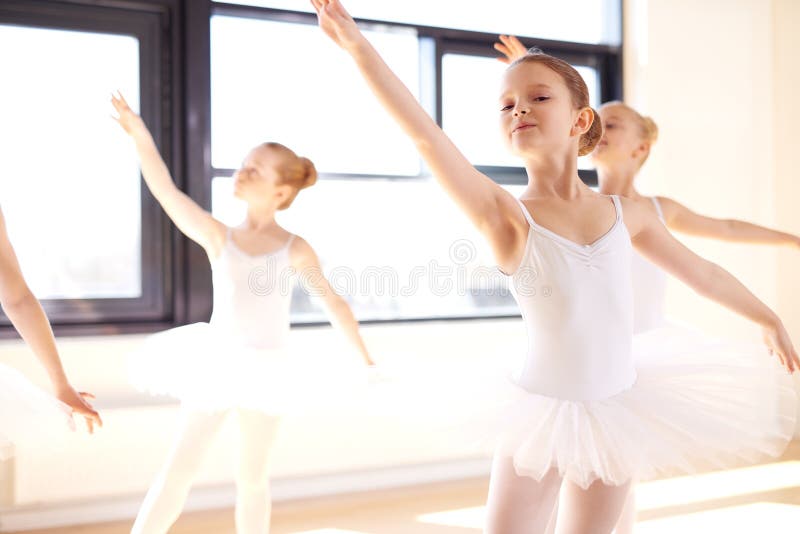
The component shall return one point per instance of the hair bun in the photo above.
(651, 129)
(309, 173)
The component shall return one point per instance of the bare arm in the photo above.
(653, 241)
(491, 209)
(681, 219)
(26, 314)
(306, 263)
(195, 222)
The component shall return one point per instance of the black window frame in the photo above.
(176, 104)
(434, 43)
(153, 24)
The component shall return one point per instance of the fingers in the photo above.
(516, 45)
(317, 5)
(87, 395)
(506, 57)
(795, 360)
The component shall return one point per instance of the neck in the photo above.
(617, 181)
(260, 217)
(554, 177)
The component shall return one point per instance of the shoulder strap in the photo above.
(657, 204)
(525, 212)
(617, 205)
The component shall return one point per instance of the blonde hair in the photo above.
(294, 170)
(577, 89)
(648, 129)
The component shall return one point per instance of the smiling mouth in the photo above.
(523, 127)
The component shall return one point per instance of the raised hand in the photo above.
(337, 23)
(126, 117)
(511, 48)
(779, 344)
(80, 406)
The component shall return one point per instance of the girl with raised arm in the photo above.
(27, 412)
(237, 362)
(590, 414)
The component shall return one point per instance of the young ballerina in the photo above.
(237, 362)
(589, 414)
(27, 411)
(619, 156)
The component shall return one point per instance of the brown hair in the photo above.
(578, 91)
(294, 170)
(648, 130)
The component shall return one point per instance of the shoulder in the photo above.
(669, 207)
(301, 250)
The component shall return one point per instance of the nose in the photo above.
(520, 111)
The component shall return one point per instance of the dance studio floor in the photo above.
(764, 498)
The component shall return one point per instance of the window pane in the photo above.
(396, 249)
(582, 21)
(70, 181)
(470, 89)
(311, 99)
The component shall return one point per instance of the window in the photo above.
(311, 99)
(417, 257)
(388, 239)
(580, 21)
(64, 155)
(90, 243)
(212, 80)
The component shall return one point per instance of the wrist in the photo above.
(357, 46)
(772, 323)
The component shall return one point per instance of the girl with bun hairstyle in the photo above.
(622, 151)
(588, 411)
(238, 361)
(627, 139)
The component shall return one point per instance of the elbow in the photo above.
(707, 279)
(12, 303)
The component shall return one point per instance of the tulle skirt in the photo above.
(209, 371)
(697, 403)
(28, 414)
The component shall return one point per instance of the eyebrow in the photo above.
(531, 86)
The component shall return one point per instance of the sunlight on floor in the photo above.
(768, 517)
(718, 485)
(463, 517)
(764, 517)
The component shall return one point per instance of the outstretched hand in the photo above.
(337, 23)
(511, 48)
(779, 344)
(126, 117)
(80, 406)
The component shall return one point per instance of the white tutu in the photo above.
(697, 403)
(28, 414)
(208, 371)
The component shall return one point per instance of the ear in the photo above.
(641, 150)
(583, 121)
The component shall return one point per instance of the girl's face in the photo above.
(258, 180)
(622, 142)
(537, 115)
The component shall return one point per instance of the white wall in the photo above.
(716, 77)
